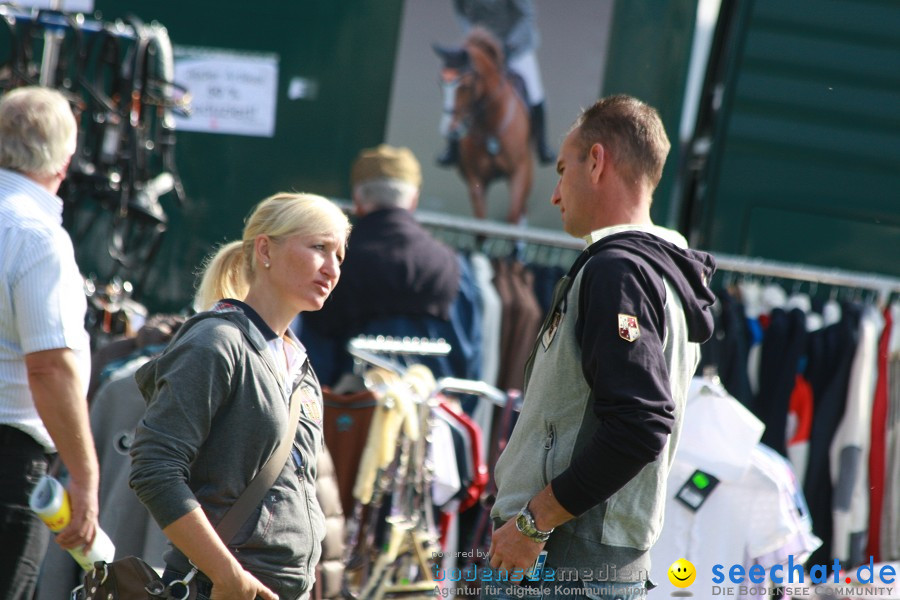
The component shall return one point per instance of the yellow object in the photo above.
(682, 573)
(50, 501)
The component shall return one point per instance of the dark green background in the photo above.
(806, 162)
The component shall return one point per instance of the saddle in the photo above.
(518, 83)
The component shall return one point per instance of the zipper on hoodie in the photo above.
(301, 474)
(548, 449)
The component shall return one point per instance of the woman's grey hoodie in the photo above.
(216, 411)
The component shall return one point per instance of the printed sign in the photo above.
(69, 6)
(231, 92)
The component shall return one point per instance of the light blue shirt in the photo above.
(42, 301)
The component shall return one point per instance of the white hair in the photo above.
(385, 193)
(37, 131)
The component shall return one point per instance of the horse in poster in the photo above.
(485, 114)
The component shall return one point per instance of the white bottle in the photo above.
(50, 501)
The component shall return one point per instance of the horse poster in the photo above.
(497, 174)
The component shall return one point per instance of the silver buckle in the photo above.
(184, 582)
(105, 573)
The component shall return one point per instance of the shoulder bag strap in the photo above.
(265, 478)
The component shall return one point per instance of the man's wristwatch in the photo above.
(525, 525)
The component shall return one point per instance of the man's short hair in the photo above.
(386, 176)
(631, 131)
(385, 193)
(37, 131)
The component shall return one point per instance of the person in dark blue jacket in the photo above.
(398, 280)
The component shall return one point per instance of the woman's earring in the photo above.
(267, 265)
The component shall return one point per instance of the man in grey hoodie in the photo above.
(583, 475)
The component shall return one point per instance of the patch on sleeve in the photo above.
(628, 328)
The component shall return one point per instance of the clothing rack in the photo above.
(392, 533)
(533, 235)
(368, 349)
(883, 284)
(407, 345)
(468, 386)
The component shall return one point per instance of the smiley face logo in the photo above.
(682, 573)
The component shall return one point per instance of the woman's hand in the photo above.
(193, 535)
(244, 587)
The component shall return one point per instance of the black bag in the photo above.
(130, 578)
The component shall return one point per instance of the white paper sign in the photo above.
(231, 92)
(70, 6)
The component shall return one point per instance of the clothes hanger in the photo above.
(773, 296)
(802, 301)
(751, 296)
(831, 312)
(711, 385)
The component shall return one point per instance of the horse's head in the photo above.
(467, 73)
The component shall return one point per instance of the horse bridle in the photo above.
(477, 108)
(451, 86)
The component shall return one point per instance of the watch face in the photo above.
(523, 522)
(525, 525)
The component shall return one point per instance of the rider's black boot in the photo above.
(450, 155)
(538, 128)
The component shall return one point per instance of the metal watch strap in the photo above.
(526, 525)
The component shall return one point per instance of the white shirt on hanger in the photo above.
(492, 311)
(749, 518)
(849, 450)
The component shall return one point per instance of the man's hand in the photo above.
(82, 529)
(57, 392)
(511, 550)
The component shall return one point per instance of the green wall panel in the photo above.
(648, 58)
(831, 238)
(807, 165)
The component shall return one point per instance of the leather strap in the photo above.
(248, 500)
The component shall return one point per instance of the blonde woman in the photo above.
(218, 404)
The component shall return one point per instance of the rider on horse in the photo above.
(512, 22)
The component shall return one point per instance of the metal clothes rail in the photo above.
(763, 267)
(884, 284)
(369, 350)
(531, 235)
(491, 229)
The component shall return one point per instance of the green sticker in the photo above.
(700, 480)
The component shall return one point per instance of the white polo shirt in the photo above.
(42, 301)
